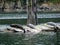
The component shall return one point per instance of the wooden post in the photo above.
(31, 11)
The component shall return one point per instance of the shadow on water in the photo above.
(43, 38)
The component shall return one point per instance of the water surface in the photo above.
(42, 38)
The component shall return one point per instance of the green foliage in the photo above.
(54, 1)
(23, 2)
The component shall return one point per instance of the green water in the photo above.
(22, 18)
(24, 21)
(13, 21)
(43, 38)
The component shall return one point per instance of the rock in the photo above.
(31, 26)
(14, 29)
(54, 24)
(17, 26)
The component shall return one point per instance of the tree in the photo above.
(4, 2)
(32, 17)
(3, 7)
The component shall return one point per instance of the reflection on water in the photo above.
(39, 39)
(24, 16)
(3, 27)
(43, 38)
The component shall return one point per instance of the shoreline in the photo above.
(24, 12)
